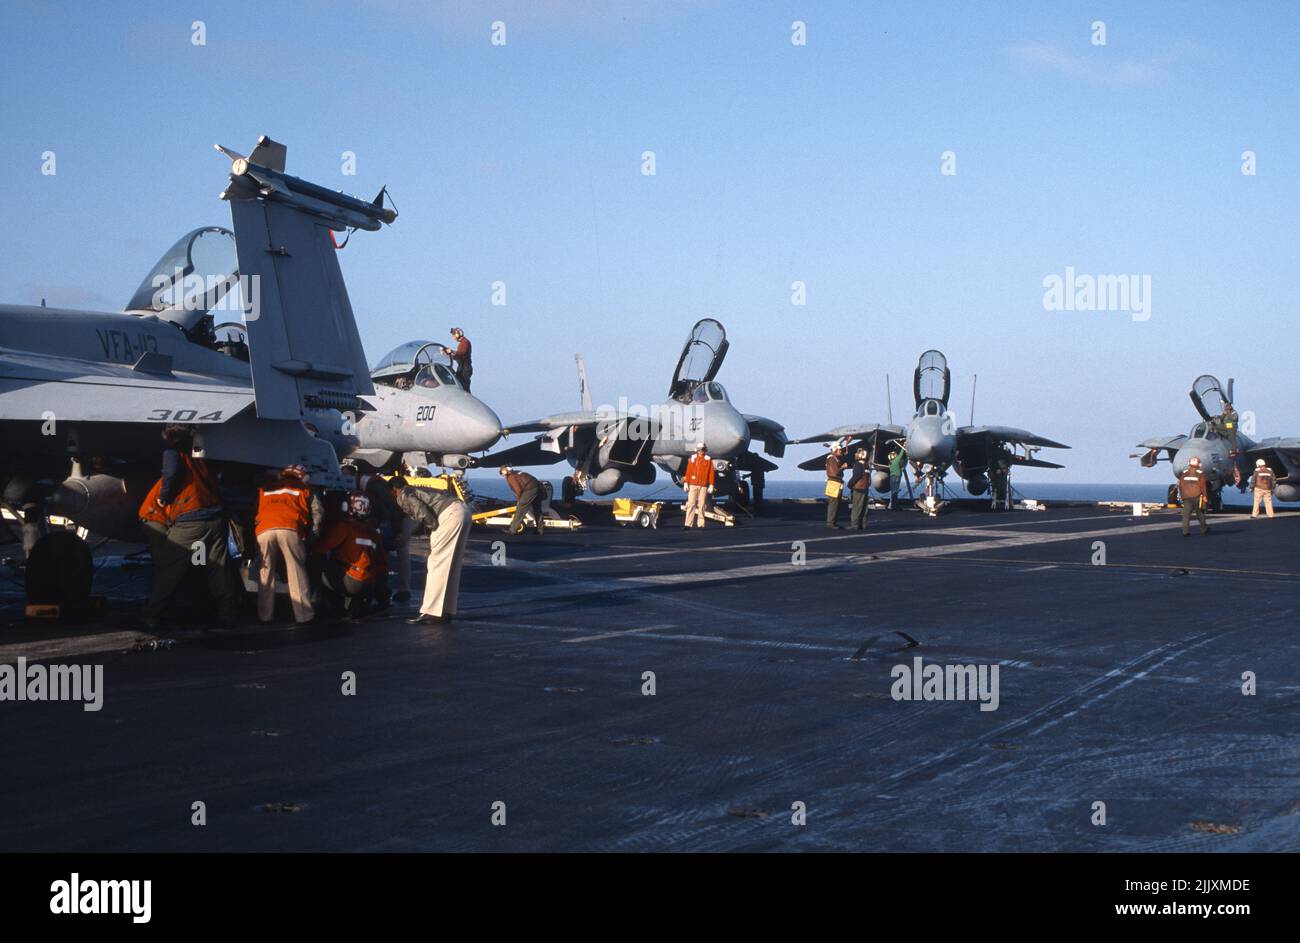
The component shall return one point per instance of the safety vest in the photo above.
(356, 546)
(1192, 484)
(1264, 479)
(699, 470)
(198, 491)
(286, 505)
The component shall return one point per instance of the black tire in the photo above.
(643, 519)
(60, 571)
(568, 490)
(1215, 503)
(756, 490)
(1172, 496)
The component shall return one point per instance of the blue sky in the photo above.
(775, 163)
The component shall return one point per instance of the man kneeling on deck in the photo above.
(448, 520)
(355, 556)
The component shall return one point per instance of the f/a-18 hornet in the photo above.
(85, 394)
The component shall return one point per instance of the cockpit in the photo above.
(708, 392)
(1203, 430)
(414, 364)
(195, 279)
(931, 407)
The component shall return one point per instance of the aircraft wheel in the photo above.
(1216, 500)
(568, 490)
(1172, 496)
(756, 489)
(60, 572)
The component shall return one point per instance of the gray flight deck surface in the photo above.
(1118, 683)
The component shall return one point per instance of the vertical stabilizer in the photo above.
(304, 348)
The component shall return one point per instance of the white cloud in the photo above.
(1098, 66)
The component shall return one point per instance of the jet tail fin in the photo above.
(304, 348)
(584, 391)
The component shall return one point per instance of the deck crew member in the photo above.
(836, 462)
(461, 357)
(448, 520)
(859, 485)
(394, 527)
(181, 512)
(1193, 490)
(288, 514)
(1228, 426)
(1265, 482)
(356, 556)
(897, 458)
(528, 497)
(700, 480)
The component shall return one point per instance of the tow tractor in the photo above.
(640, 513)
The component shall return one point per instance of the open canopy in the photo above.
(702, 355)
(1208, 396)
(191, 279)
(932, 379)
(421, 362)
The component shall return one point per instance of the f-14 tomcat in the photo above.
(84, 395)
(610, 447)
(1210, 441)
(982, 455)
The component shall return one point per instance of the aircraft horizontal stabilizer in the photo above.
(530, 453)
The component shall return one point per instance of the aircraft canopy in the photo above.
(702, 356)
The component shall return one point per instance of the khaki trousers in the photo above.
(696, 495)
(1267, 498)
(274, 545)
(446, 553)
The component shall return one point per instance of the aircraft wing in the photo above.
(1171, 442)
(530, 453)
(560, 421)
(771, 432)
(864, 436)
(1007, 434)
(1277, 444)
(34, 385)
(858, 431)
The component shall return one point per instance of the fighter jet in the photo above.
(84, 395)
(420, 407)
(1210, 441)
(612, 446)
(982, 455)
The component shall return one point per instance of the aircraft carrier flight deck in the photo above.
(734, 689)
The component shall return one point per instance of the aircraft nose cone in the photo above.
(477, 426)
(736, 435)
(928, 444)
(732, 435)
